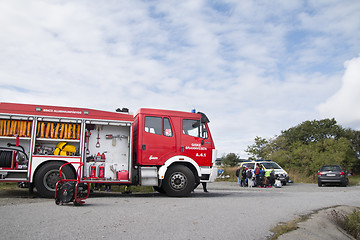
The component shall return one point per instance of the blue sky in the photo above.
(254, 67)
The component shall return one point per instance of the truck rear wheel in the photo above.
(47, 177)
(179, 181)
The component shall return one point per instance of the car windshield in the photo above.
(331, 168)
(268, 165)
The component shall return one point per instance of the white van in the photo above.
(280, 173)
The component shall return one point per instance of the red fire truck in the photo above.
(172, 151)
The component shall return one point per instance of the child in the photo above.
(250, 182)
(249, 178)
(277, 183)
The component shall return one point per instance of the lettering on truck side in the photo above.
(201, 154)
(196, 146)
(61, 111)
(153, 158)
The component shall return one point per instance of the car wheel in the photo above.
(319, 184)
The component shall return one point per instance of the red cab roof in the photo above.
(65, 112)
(168, 113)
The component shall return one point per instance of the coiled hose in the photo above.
(5, 159)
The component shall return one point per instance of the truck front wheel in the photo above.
(179, 181)
(159, 189)
(48, 175)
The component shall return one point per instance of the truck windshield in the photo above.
(194, 128)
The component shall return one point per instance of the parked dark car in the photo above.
(332, 174)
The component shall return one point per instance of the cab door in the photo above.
(196, 141)
(158, 140)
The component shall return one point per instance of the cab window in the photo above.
(153, 125)
(167, 128)
(194, 128)
(159, 126)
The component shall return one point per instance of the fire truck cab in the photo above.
(172, 151)
(178, 147)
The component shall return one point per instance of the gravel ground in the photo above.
(226, 212)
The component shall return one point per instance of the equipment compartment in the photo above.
(57, 138)
(107, 152)
(15, 141)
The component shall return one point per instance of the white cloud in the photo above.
(344, 104)
(255, 68)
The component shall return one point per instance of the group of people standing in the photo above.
(257, 177)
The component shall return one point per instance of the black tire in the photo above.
(179, 181)
(159, 189)
(48, 175)
(319, 184)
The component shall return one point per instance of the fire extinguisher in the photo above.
(93, 171)
(101, 171)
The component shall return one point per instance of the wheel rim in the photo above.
(178, 181)
(51, 178)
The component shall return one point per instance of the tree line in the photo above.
(308, 146)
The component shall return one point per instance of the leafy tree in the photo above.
(313, 131)
(258, 149)
(230, 159)
(354, 137)
(311, 144)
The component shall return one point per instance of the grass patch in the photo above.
(350, 223)
(300, 177)
(5, 186)
(12, 186)
(295, 175)
(134, 189)
(122, 188)
(228, 171)
(283, 228)
(354, 180)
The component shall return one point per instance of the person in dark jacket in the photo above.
(237, 173)
(262, 177)
(243, 175)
